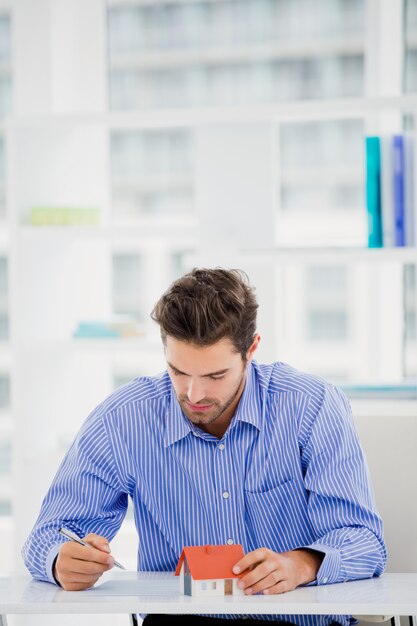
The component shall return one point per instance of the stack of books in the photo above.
(119, 327)
(390, 193)
(64, 216)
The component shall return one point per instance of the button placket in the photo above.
(226, 486)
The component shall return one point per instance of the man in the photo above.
(216, 450)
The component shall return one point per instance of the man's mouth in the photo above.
(200, 408)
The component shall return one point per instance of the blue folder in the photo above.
(373, 191)
(398, 189)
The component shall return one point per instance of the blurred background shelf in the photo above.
(327, 254)
(186, 116)
(113, 346)
(139, 230)
(237, 54)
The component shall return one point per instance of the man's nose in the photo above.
(195, 391)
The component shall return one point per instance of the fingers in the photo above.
(250, 560)
(271, 584)
(79, 567)
(90, 568)
(267, 572)
(280, 587)
(68, 571)
(98, 542)
(97, 551)
(264, 575)
(83, 581)
(78, 577)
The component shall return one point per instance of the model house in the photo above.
(207, 570)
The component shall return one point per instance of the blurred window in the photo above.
(234, 52)
(4, 311)
(5, 65)
(410, 52)
(151, 174)
(128, 286)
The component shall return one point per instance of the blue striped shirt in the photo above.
(289, 472)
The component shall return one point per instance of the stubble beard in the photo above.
(218, 409)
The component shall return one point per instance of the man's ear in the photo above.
(253, 347)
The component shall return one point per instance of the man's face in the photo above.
(208, 380)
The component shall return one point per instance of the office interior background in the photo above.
(140, 138)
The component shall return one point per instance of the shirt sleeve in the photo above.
(341, 503)
(85, 496)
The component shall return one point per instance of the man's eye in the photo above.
(176, 373)
(217, 377)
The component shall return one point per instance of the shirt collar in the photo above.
(249, 410)
(177, 426)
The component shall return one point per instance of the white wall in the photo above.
(390, 447)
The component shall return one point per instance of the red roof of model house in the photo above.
(208, 562)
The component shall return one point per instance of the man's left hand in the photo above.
(272, 572)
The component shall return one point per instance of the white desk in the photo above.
(155, 592)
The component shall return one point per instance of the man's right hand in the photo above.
(78, 567)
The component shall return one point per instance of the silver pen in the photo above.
(70, 535)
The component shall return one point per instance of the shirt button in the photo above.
(325, 580)
(225, 494)
(221, 446)
(230, 542)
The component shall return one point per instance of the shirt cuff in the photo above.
(50, 560)
(330, 568)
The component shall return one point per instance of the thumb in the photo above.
(98, 542)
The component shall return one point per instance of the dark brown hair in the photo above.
(207, 305)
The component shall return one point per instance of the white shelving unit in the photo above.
(222, 55)
(58, 154)
(317, 254)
